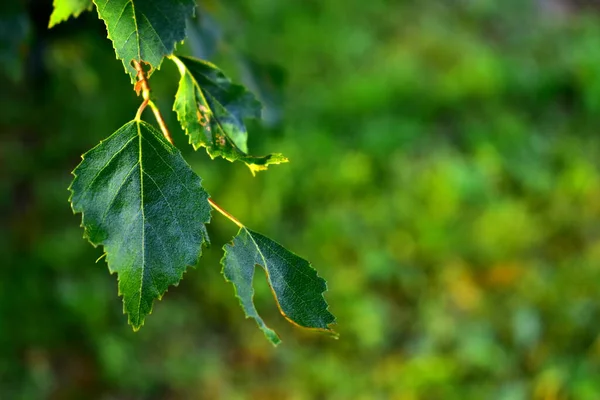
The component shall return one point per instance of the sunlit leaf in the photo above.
(144, 30)
(212, 109)
(64, 9)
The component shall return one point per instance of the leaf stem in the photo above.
(161, 121)
(225, 213)
(138, 115)
(143, 87)
(178, 62)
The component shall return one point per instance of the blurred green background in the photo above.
(444, 179)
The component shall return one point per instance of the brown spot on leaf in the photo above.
(203, 115)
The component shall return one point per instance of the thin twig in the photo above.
(161, 121)
(225, 213)
(138, 115)
(143, 87)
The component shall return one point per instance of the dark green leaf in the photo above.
(143, 203)
(212, 109)
(144, 30)
(297, 288)
(64, 9)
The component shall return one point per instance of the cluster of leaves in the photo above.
(453, 189)
(140, 199)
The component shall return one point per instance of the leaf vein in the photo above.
(117, 193)
(106, 165)
(168, 204)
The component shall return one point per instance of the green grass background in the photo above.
(444, 179)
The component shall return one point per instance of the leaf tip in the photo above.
(136, 328)
(275, 341)
(271, 159)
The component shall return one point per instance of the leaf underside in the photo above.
(212, 109)
(296, 286)
(64, 9)
(144, 204)
(144, 30)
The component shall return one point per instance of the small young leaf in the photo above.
(296, 286)
(144, 30)
(142, 202)
(63, 9)
(212, 109)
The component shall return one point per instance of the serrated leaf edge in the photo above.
(270, 159)
(105, 254)
(329, 330)
(52, 23)
(131, 72)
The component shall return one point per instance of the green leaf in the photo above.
(296, 286)
(144, 204)
(212, 109)
(144, 30)
(64, 9)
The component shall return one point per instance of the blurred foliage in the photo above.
(444, 179)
